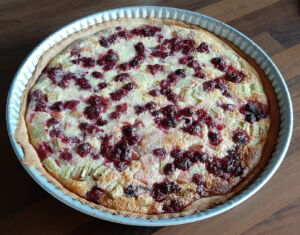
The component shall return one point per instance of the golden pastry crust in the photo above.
(113, 198)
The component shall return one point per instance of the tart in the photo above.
(148, 118)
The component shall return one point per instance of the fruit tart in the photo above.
(148, 118)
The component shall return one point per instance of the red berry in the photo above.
(84, 149)
(169, 169)
(198, 179)
(131, 191)
(96, 74)
(121, 107)
(214, 138)
(203, 48)
(66, 155)
(94, 194)
(159, 152)
(51, 122)
(115, 115)
(240, 137)
(140, 48)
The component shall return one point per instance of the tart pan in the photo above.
(241, 41)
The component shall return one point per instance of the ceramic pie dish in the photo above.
(140, 13)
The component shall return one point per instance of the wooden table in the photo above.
(28, 209)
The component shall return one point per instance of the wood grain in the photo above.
(281, 20)
(268, 43)
(288, 62)
(285, 221)
(275, 209)
(227, 10)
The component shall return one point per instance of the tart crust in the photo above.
(120, 205)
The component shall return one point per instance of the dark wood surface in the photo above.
(28, 209)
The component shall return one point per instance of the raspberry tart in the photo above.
(148, 118)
